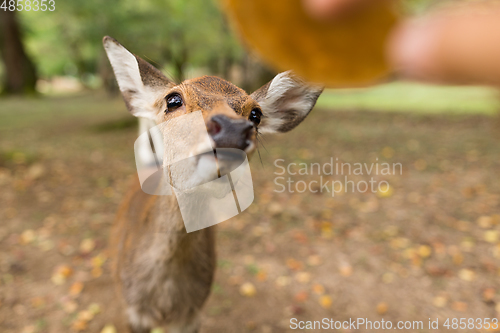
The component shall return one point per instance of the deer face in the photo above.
(233, 118)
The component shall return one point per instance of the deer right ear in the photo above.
(141, 84)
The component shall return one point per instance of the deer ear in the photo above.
(141, 84)
(285, 101)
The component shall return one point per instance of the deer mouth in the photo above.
(225, 159)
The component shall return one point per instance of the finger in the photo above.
(453, 45)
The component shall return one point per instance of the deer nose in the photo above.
(230, 133)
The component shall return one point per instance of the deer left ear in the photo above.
(141, 84)
(285, 101)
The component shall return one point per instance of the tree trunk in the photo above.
(20, 72)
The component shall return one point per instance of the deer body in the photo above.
(165, 273)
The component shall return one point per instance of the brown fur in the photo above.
(165, 274)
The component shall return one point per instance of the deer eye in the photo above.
(255, 116)
(174, 101)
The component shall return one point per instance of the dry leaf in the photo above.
(301, 296)
(318, 289)
(384, 191)
(94, 308)
(76, 288)
(303, 277)
(467, 274)
(70, 306)
(382, 308)
(29, 329)
(261, 276)
(235, 280)
(37, 302)
(283, 281)
(79, 325)
(489, 294)
(314, 260)
(87, 245)
(98, 260)
(485, 222)
(110, 328)
(27, 237)
(248, 289)
(459, 306)
(326, 230)
(491, 236)
(96, 272)
(60, 275)
(424, 251)
(388, 277)
(294, 265)
(439, 301)
(85, 315)
(345, 269)
(325, 301)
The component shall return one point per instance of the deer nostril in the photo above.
(213, 127)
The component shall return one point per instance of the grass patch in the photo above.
(414, 97)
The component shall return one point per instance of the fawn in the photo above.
(165, 277)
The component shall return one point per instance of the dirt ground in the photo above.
(427, 248)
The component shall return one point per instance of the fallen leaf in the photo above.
(318, 289)
(458, 258)
(85, 315)
(247, 289)
(388, 277)
(491, 236)
(300, 237)
(489, 294)
(60, 275)
(261, 276)
(110, 328)
(94, 308)
(382, 308)
(399, 243)
(79, 325)
(459, 306)
(484, 222)
(325, 301)
(314, 260)
(96, 272)
(439, 301)
(235, 280)
(301, 296)
(29, 329)
(98, 260)
(384, 191)
(69, 306)
(37, 302)
(282, 281)
(27, 237)
(326, 230)
(467, 274)
(424, 251)
(87, 245)
(303, 277)
(76, 288)
(345, 269)
(294, 265)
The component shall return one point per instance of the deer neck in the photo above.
(171, 241)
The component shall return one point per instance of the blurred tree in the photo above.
(20, 73)
(175, 35)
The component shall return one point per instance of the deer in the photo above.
(164, 278)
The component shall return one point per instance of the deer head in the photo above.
(233, 118)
